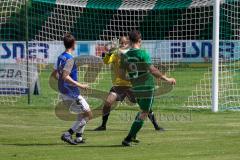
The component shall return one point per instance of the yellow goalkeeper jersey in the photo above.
(115, 59)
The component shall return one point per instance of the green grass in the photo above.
(33, 131)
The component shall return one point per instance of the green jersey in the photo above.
(137, 62)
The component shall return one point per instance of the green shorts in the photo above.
(145, 99)
(145, 104)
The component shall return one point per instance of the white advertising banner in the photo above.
(13, 79)
(166, 50)
(191, 50)
(40, 52)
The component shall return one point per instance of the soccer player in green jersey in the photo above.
(121, 88)
(140, 71)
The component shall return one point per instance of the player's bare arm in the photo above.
(54, 74)
(68, 79)
(156, 73)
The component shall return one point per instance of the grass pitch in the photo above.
(31, 132)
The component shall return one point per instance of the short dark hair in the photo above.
(134, 36)
(68, 41)
(123, 39)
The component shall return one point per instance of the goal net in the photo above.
(17, 76)
(177, 34)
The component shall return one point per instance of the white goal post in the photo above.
(215, 66)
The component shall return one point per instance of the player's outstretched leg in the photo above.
(106, 111)
(152, 118)
(136, 126)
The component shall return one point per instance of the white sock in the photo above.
(81, 129)
(82, 121)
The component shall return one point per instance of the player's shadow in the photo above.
(32, 144)
(98, 146)
(62, 144)
(108, 130)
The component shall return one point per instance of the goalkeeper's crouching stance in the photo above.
(136, 63)
(65, 71)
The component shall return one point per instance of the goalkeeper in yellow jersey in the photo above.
(121, 88)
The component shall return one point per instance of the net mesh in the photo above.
(229, 64)
(177, 34)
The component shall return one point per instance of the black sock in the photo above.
(105, 119)
(128, 138)
(78, 135)
(71, 131)
(153, 119)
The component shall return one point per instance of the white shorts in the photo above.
(78, 105)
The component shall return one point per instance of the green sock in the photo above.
(136, 126)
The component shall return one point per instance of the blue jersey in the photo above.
(66, 63)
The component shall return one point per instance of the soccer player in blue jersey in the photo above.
(65, 70)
